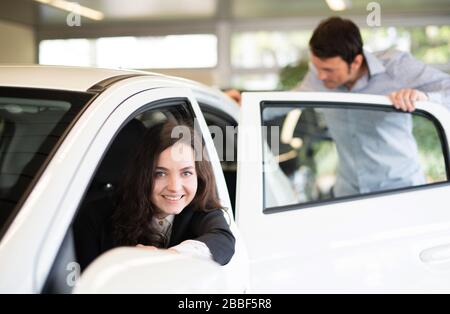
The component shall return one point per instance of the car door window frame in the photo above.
(351, 106)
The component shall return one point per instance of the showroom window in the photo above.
(258, 57)
(172, 51)
(305, 159)
(278, 60)
(71, 52)
(429, 44)
(268, 49)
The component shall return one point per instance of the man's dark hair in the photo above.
(336, 37)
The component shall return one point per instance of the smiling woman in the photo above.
(167, 199)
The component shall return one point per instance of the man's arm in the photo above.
(424, 82)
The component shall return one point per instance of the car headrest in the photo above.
(113, 165)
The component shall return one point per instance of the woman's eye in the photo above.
(159, 174)
(187, 173)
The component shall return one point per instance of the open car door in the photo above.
(305, 232)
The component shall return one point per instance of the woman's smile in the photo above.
(173, 198)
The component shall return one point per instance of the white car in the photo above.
(59, 134)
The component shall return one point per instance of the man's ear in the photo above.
(357, 62)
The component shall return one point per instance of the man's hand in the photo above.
(235, 94)
(405, 99)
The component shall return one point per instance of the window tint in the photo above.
(319, 153)
(31, 123)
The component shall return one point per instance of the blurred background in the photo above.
(243, 44)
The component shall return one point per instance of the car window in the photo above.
(223, 131)
(315, 153)
(32, 121)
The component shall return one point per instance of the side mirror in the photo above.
(135, 270)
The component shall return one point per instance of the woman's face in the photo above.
(175, 180)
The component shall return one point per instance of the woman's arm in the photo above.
(212, 229)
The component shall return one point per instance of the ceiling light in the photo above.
(75, 8)
(339, 5)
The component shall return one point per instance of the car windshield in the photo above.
(32, 121)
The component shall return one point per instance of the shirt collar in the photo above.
(375, 66)
(163, 225)
(170, 218)
(373, 63)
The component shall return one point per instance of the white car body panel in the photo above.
(56, 77)
(375, 244)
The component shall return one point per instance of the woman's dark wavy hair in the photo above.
(336, 37)
(133, 208)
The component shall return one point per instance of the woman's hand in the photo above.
(147, 247)
(152, 248)
(234, 94)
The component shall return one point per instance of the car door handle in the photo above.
(436, 254)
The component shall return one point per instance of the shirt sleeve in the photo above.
(418, 75)
(193, 248)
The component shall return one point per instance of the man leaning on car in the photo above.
(340, 64)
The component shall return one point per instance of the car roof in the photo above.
(61, 77)
(97, 80)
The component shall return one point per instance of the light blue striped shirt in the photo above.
(377, 150)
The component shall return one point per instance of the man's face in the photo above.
(333, 72)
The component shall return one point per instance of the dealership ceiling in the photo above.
(116, 16)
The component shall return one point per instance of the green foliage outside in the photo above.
(291, 75)
(431, 44)
(430, 149)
